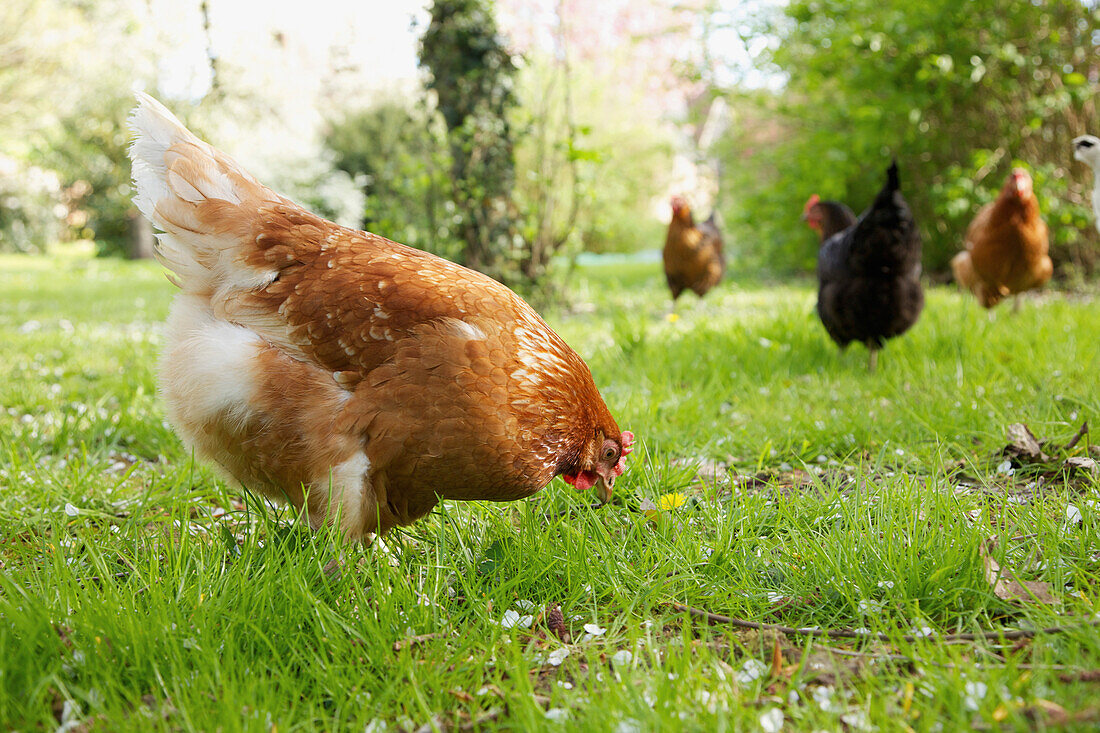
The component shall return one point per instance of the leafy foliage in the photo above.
(957, 92)
(65, 76)
(472, 76)
(32, 207)
(594, 154)
(400, 157)
(87, 146)
(585, 174)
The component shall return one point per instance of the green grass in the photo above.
(139, 592)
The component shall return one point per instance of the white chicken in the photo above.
(1087, 150)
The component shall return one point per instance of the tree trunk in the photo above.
(141, 239)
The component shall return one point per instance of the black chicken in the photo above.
(868, 273)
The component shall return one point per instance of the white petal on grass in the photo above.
(823, 696)
(513, 619)
(557, 656)
(752, 669)
(922, 631)
(886, 584)
(1006, 468)
(557, 714)
(856, 720)
(1073, 514)
(974, 692)
(869, 605)
(771, 721)
(525, 605)
(595, 629)
(71, 510)
(621, 658)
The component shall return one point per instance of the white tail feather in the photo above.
(174, 171)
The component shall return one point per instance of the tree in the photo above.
(400, 156)
(472, 76)
(959, 92)
(65, 69)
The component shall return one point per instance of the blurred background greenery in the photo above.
(513, 135)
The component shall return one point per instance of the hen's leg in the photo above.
(872, 360)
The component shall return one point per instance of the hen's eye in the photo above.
(609, 454)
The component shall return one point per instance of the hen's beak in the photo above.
(603, 487)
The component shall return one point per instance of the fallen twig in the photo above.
(1070, 672)
(716, 618)
(1077, 438)
(412, 641)
(1083, 675)
(479, 722)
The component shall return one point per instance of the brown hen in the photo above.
(335, 369)
(693, 255)
(1006, 245)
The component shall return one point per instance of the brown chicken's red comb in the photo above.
(628, 446)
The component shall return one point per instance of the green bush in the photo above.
(32, 208)
(87, 148)
(398, 155)
(940, 85)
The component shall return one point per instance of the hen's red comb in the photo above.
(628, 446)
(813, 201)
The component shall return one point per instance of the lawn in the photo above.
(776, 480)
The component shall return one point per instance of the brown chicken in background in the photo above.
(1006, 246)
(335, 369)
(693, 254)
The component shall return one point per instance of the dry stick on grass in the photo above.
(716, 618)
(411, 641)
(1068, 671)
(1077, 438)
